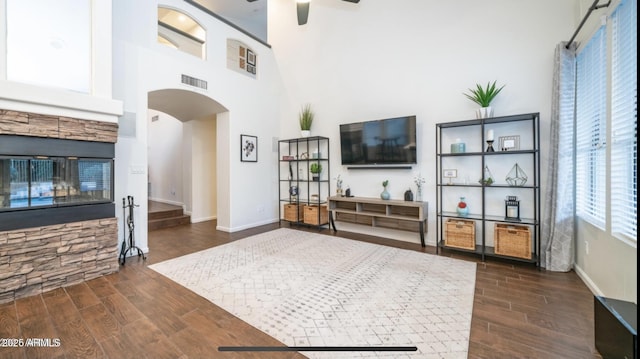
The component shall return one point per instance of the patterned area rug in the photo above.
(313, 290)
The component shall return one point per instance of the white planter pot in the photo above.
(484, 112)
(305, 133)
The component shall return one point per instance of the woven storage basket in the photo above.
(512, 240)
(293, 212)
(311, 215)
(460, 233)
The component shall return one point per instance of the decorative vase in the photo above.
(408, 195)
(462, 209)
(305, 133)
(385, 195)
(419, 194)
(484, 112)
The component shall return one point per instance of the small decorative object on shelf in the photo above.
(450, 174)
(512, 208)
(339, 186)
(293, 193)
(509, 143)
(487, 180)
(315, 170)
(385, 194)
(490, 141)
(347, 192)
(462, 209)
(458, 146)
(516, 177)
(419, 181)
(408, 195)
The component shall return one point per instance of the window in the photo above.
(591, 130)
(606, 138)
(624, 121)
(49, 43)
(179, 31)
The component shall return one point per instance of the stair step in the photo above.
(165, 214)
(166, 222)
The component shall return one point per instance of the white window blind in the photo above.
(591, 130)
(624, 121)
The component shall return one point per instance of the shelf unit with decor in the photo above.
(503, 215)
(303, 198)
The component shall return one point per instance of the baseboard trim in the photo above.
(587, 281)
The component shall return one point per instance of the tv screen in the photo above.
(389, 141)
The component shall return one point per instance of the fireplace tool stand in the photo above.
(129, 204)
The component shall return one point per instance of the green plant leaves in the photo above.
(484, 95)
(306, 117)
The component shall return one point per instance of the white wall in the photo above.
(142, 65)
(380, 59)
(165, 158)
(203, 169)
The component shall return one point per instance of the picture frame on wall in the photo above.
(248, 148)
(251, 57)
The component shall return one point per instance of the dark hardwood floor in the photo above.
(519, 311)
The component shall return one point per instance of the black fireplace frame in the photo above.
(11, 145)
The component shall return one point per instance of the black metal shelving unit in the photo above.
(484, 215)
(295, 157)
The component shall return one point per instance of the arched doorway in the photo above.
(182, 151)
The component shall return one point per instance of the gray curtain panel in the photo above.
(558, 230)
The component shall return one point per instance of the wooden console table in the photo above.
(402, 215)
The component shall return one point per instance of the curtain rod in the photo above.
(593, 7)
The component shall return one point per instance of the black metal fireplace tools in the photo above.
(130, 205)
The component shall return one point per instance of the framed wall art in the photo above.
(248, 148)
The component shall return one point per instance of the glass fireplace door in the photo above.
(56, 181)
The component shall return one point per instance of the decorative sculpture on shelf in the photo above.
(487, 180)
(516, 177)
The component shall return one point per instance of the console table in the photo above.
(375, 212)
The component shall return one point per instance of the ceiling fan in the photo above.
(303, 9)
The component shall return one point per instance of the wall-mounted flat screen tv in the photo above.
(390, 141)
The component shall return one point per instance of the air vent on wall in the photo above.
(192, 81)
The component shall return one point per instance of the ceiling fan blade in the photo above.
(353, 1)
(303, 12)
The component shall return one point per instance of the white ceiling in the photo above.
(250, 16)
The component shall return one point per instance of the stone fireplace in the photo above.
(57, 213)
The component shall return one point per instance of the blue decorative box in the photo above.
(458, 147)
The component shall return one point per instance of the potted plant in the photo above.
(306, 119)
(483, 97)
(315, 170)
(385, 194)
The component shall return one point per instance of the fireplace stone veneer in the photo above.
(36, 260)
(41, 258)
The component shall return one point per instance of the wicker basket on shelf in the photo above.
(512, 240)
(293, 212)
(311, 215)
(460, 233)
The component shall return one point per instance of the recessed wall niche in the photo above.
(241, 58)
